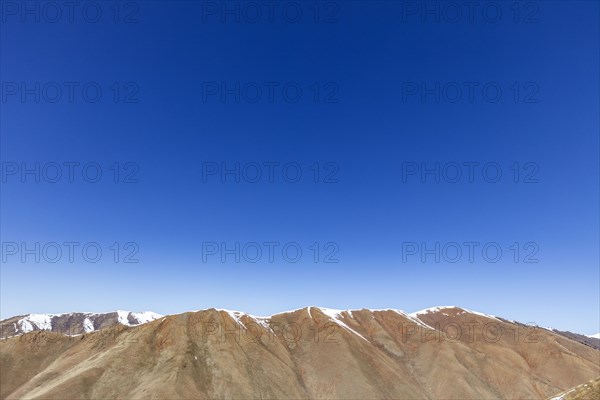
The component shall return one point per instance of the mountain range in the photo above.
(313, 352)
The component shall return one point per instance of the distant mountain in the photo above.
(591, 341)
(72, 323)
(313, 352)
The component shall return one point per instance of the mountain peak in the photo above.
(74, 323)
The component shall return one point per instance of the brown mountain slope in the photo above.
(307, 353)
(586, 391)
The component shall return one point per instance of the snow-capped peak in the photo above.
(35, 322)
(596, 336)
(76, 322)
(443, 308)
(145, 316)
(130, 318)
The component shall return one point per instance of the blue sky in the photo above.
(368, 94)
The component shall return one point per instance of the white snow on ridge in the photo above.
(35, 321)
(482, 314)
(25, 325)
(141, 317)
(88, 326)
(145, 316)
(442, 308)
(43, 322)
(412, 316)
(336, 316)
(123, 317)
(439, 309)
(414, 319)
(292, 311)
(237, 315)
(264, 323)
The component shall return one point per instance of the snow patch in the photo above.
(235, 315)
(145, 316)
(43, 322)
(563, 394)
(441, 309)
(596, 336)
(138, 317)
(414, 319)
(88, 326)
(123, 317)
(25, 325)
(336, 316)
(264, 323)
(33, 322)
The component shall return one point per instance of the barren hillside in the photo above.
(441, 353)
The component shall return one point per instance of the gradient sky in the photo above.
(163, 62)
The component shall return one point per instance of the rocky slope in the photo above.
(586, 391)
(441, 353)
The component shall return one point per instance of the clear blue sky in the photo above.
(367, 114)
